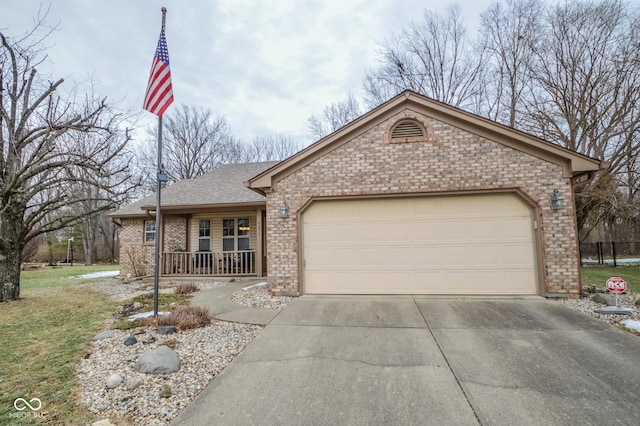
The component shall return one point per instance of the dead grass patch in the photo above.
(186, 318)
(186, 288)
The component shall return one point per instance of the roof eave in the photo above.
(211, 206)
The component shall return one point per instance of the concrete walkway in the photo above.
(218, 301)
(422, 361)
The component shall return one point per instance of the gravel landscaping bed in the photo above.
(586, 305)
(203, 352)
(149, 399)
(259, 297)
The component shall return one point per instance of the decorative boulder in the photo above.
(603, 299)
(114, 380)
(130, 341)
(133, 383)
(157, 361)
(166, 329)
(104, 335)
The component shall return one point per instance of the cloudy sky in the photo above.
(265, 65)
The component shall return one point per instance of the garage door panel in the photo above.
(432, 245)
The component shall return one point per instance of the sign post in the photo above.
(616, 285)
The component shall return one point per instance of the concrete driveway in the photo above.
(427, 361)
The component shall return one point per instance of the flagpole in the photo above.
(156, 275)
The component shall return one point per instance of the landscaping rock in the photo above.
(103, 335)
(131, 357)
(113, 381)
(147, 339)
(603, 299)
(637, 303)
(138, 331)
(160, 360)
(137, 306)
(133, 382)
(166, 329)
(130, 341)
(165, 392)
(103, 422)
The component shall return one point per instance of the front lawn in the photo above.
(598, 276)
(43, 336)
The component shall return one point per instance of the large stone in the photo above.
(114, 380)
(130, 341)
(133, 382)
(603, 299)
(157, 361)
(104, 335)
(166, 329)
(165, 391)
(103, 422)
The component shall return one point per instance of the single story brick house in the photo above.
(414, 197)
(212, 225)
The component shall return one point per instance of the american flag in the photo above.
(159, 90)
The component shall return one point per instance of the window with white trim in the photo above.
(149, 231)
(204, 235)
(236, 234)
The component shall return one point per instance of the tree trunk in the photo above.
(10, 259)
(9, 276)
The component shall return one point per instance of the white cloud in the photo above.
(266, 66)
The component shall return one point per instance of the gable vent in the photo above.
(407, 129)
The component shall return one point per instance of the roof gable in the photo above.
(573, 164)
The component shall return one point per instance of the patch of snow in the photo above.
(631, 324)
(260, 284)
(101, 274)
(145, 315)
(629, 261)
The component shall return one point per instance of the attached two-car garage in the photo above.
(455, 244)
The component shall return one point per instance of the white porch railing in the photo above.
(206, 263)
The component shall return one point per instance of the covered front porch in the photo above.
(207, 263)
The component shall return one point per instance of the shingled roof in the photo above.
(221, 187)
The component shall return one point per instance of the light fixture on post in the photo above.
(556, 200)
(284, 210)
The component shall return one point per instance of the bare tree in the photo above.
(194, 142)
(42, 156)
(269, 148)
(509, 32)
(584, 91)
(433, 57)
(334, 116)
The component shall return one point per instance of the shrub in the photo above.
(186, 318)
(186, 288)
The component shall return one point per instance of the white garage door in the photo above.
(471, 244)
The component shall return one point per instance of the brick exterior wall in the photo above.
(136, 256)
(450, 160)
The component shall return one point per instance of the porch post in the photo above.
(259, 243)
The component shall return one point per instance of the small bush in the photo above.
(186, 288)
(186, 318)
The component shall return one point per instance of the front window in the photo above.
(236, 234)
(204, 235)
(149, 231)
